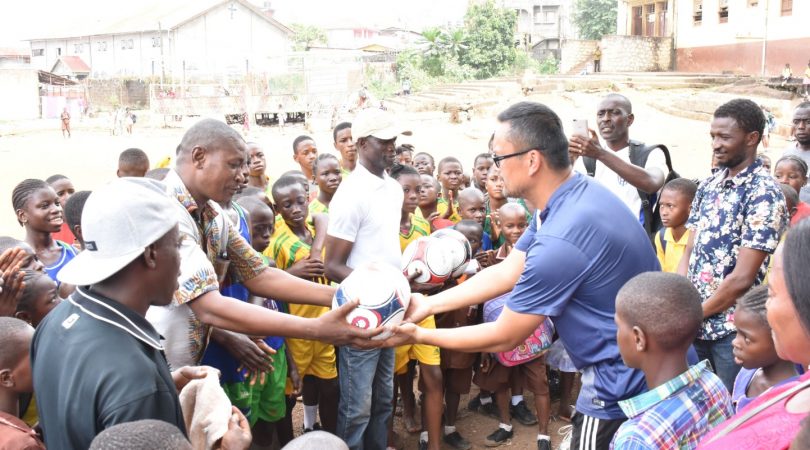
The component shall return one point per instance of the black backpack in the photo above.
(649, 202)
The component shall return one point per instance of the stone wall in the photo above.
(109, 94)
(576, 54)
(637, 54)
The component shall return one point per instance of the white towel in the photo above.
(206, 410)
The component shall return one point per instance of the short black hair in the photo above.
(428, 155)
(536, 126)
(248, 191)
(145, 434)
(320, 158)
(796, 259)
(283, 182)
(157, 174)
(802, 105)
(791, 196)
(469, 223)
(54, 178)
(299, 140)
(754, 301)
(340, 127)
(14, 344)
(73, 208)
(481, 156)
(30, 278)
(24, 190)
(666, 306)
(133, 157)
(398, 170)
(682, 186)
(627, 103)
(404, 148)
(206, 132)
(468, 193)
(7, 242)
(447, 160)
(800, 163)
(251, 204)
(747, 114)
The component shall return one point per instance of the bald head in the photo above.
(619, 100)
(512, 209)
(210, 134)
(470, 195)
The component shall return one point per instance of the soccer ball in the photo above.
(432, 257)
(461, 249)
(383, 292)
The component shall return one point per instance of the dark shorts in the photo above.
(594, 433)
(534, 372)
(457, 381)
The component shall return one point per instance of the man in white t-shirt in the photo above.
(613, 167)
(364, 218)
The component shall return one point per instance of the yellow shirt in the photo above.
(419, 228)
(670, 259)
(441, 207)
(286, 248)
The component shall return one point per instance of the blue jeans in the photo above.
(366, 393)
(720, 355)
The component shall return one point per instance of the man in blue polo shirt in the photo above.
(570, 270)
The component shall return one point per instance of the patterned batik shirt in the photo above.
(676, 414)
(747, 210)
(210, 248)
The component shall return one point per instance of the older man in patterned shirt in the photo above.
(736, 220)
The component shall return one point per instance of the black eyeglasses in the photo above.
(498, 158)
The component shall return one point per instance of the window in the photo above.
(78, 48)
(102, 46)
(157, 41)
(722, 13)
(127, 44)
(38, 52)
(550, 15)
(59, 51)
(697, 16)
(787, 7)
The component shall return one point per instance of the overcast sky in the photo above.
(25, 19)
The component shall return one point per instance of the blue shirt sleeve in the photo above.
(553, 272)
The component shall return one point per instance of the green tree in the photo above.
(434, 51)
(455, 42)
(595, 18)
(307, 36)
(490, 34)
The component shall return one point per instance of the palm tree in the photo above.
(433, 41)
(455, 42)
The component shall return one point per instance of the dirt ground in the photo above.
(90, 157)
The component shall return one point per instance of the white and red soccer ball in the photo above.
(383, 292)
(429, 257)
(460, 249)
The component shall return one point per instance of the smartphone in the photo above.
(581, 128)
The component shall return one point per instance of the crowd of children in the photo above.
(658, 315)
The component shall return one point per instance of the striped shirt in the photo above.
(286, 248)
(420, 227)
(676, 414)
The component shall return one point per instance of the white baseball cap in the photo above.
(378, 123)
(119, 221)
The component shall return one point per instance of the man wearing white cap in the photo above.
(96, 360)
(364, 227)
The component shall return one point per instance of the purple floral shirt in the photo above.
(747, 210)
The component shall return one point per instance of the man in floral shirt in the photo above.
(736, 220)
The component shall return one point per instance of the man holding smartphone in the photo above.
(612, 166)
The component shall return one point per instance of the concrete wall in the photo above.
(745, 57)
(19, 89)
(575, 53)
(636, 54)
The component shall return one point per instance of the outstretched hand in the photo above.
(185, 374)
(335, 329)
(403, 334)
(238, 436)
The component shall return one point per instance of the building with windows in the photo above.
(756, 37)
(199, 39)
(542, 24)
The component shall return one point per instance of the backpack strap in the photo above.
(590, 165)
(661, 239)
(639, 153)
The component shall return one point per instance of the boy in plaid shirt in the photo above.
(658, 316)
